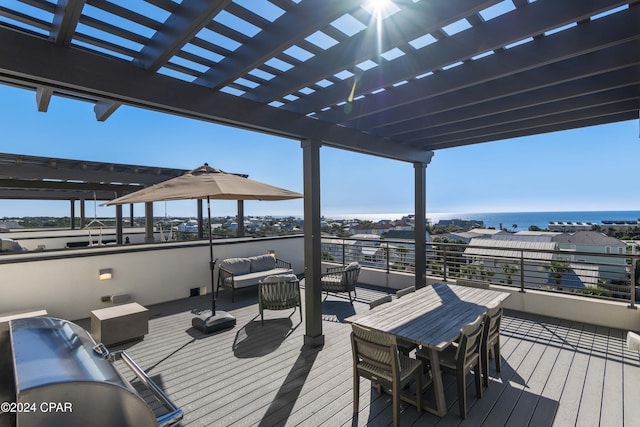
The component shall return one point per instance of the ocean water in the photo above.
(523, 220)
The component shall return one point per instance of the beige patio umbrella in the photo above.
(204, 182)
(208, 183)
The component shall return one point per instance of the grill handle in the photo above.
(175, 413)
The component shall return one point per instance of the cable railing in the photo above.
(599, 275)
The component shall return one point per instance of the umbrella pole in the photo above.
(212, 263)
(212, 322)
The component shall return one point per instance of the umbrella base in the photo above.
(207, 323)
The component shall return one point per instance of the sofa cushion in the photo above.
(237, 265)
(252, 279)
(262, 263)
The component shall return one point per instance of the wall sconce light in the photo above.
(105, 274)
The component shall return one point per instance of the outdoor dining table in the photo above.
(431, 317)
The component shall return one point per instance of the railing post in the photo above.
(522, 272)
(388, 262)
(344, 261)
(444, 265)
(632, 285)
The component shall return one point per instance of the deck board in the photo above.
(554, 372)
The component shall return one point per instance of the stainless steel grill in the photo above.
(53, 373)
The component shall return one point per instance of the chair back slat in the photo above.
(375, 347)
(492, 322)
(470, 340)
(379, 301)
(405, 291)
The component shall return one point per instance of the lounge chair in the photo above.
(279, 292)
(341, 279)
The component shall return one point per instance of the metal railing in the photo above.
(598, 275)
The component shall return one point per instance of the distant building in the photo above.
(492, 254)
(579, 245)
(476, 233)
(405, 235)
(569, 227)
(378, 229)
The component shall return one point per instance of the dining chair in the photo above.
(402, 292)
(491, 341)
(379, 301)
(279, 292)
(404, 346)
(376, 358)
(459, 359)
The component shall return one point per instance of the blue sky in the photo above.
(584, 169)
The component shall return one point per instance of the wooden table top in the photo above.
(431, 316)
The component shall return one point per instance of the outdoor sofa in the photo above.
(235, 273)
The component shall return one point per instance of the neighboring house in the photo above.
(363, 248)
(405, 236)
(476, 233)
(580, 245)
(377, 229)
(402, 248)
(493, 254)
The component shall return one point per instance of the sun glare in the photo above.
(380, 9)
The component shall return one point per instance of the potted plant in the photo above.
(557, 269)
(509, 269)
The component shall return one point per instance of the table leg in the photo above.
(438, 387)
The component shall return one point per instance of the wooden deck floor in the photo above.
(554, 372)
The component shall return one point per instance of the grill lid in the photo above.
(49, 351)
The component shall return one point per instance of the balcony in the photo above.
(557, 369)
(554, 372)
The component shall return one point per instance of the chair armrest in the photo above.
(223, 275)
(283, 264)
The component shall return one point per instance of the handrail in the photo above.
(599, 275)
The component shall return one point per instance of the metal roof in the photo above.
(511, 249)
(419, 76)
(45, 178)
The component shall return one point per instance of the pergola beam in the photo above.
(65, 20)
(43, 97)
(181, 26)
(292, 27)
(367, 44)
(93, 76)
(602, 34)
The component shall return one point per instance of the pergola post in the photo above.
(131, 217)
(420, 223)
(83, 215)
(119, 225)
(72, 214)
(201, 220)
(312, 244)
(148, 223)
(240, 232)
